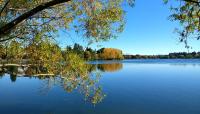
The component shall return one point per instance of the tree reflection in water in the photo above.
(72, 77)
(75, 75)
(112, 67)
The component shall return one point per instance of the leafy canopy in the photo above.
(96, 20)
(187, 13)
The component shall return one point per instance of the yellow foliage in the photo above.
(110, 67)
(111, 53)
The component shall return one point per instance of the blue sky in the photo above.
(147, 31)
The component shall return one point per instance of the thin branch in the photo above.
(4, 7)
(3, 40)
(11, 37)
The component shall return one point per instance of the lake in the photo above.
(123, 87)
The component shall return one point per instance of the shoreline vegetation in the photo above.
(14, 54)
(47, 58)
(49, 51)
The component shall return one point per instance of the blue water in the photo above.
(131, 87)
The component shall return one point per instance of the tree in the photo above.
(110, 53)
(78, 48)
(96, 19)
(2, 51)
(87, 55)
(187, 13)
(45, 53)
(68, 48)
(90, 54)
(14, 50)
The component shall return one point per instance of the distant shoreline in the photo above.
(177, 55)
(160, 58)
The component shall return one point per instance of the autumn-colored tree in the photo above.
(110, 53)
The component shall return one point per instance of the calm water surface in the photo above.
(130, 87)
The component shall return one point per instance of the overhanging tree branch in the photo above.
(4, 30)
(193, 1)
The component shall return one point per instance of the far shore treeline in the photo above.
(175, 55)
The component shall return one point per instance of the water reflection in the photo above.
(84, 79)
(184, 64)
(113, 67)
(143, 86)
(2, 73)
